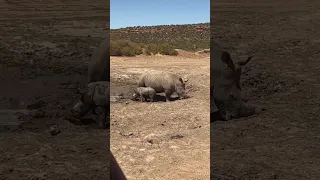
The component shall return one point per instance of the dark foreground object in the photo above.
(116, 172)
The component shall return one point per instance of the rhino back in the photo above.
(98, 67)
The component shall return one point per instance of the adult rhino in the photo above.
(164, 82)
(99, 65)
(98, 74)
(226, 97)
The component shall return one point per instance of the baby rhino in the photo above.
(143, 93)
(94, 97)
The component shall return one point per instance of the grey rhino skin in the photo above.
(99, 65)
(225, 91)
(95, 97)
(144, 92)
(164, 82)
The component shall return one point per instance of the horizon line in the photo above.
(158, 25)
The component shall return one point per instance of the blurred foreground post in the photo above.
(116, 172)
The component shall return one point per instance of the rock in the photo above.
(37, 114)
(36, 105)
(54, 130)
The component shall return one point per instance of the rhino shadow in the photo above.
(86, 121)
(91, 122)
(162, 98)
(216, 116)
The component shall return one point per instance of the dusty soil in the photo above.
(284, 141)
(159, 140)
(45, 47)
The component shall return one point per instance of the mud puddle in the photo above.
(10, 118)
(120, 92)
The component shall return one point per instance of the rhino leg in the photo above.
(93, 111)
(168, 95)
(151, 98)
(228, 116)
(102, 119)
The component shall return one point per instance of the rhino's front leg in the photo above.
(168, 95)
(227, 116)
(93, 110)
(102, 118)
(151, 98)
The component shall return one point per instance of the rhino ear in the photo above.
(186, 80)
(226, 58)
(243, 63)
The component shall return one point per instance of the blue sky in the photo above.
(126, 13)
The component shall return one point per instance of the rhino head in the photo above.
(181, 88)
(226, 75)
(135, 95)
(225, 88)
(82, 107)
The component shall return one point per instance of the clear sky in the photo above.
(126, 13)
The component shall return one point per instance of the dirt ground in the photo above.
(159, 140)
(284, 141)
(44, 50)
(45, 47)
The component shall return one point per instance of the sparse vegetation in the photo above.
(165, 49)
(159, 39)
(128, 48)
(124, 48)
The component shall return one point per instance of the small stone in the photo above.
(150, 158)
(174, 147)
(37, 114)
(54, 130)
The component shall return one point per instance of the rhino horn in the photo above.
(244, 62)
(186, 79)
(183, 81)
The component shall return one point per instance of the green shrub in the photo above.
(164, 48)
(129, 48)
(124, 48)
